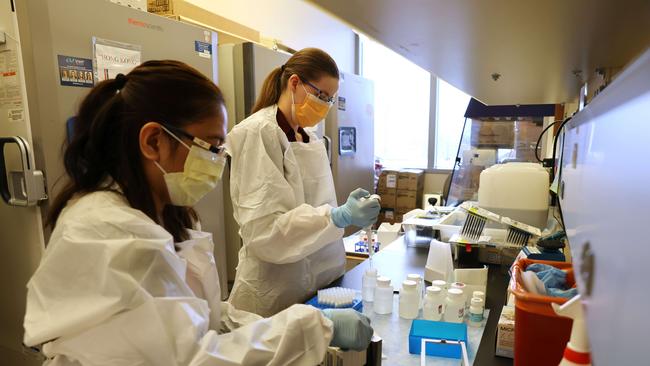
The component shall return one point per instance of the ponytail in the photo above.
(308, 63)
(271, 90)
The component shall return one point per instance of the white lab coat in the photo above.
(112, 290)
(282, 194)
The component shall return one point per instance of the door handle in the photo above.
(28, 185)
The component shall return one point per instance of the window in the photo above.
(452, 104)
(402, 98)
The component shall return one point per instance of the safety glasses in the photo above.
(320, 94)
(195, 140)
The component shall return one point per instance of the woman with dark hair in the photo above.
(127, 277)
(283, 191)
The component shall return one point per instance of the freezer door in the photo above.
(350, 126)
(21, 229)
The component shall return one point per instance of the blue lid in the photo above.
(439, 330)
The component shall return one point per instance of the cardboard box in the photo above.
(407, 200)
(160, 7)
(386, 215)
(410, 180)
(388, 197)
(388, 179)
(505, 343)
(399, 214)
(495, 134)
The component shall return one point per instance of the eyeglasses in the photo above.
(195, 140)
(321, 94)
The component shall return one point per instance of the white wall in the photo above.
(294, 23)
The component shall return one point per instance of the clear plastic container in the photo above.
(409, 300)
(454, 306)
(476, 312)
(383, 303)
(420, 286)
(434, 304)
(368, 284)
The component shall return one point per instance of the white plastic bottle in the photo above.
(383, 303)
(408, 300)
(368, 284)
(454, 306)
(461, 286)
(420, 287)
(480, 295)
(476, 312)
(434, 304)
(442, 284)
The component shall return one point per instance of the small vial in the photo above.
(454, 306)
(476, 312)
(368, 284)
(434, 304)
(408, 300)
(383, 303)
(420, 286)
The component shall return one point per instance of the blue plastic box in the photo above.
(357, 305)
(437, 330)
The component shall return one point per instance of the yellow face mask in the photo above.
(310, 112)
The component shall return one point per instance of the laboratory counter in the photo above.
(397, 260)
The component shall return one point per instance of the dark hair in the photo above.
(309, 63)
(105, 144)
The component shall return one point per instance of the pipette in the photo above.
(368, 230)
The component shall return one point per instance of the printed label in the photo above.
(204, 49)
(341, 104)
(477, 318)
(440, 309)
(75, 71)
(15, 115)
(391, 181)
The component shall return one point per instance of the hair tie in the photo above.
(283, 67)
(120, 81)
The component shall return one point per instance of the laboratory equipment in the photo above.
(43, 38)
(369, 236)
(450, 333)
(454, 306)
(516, 190)
(420, 286)
(475, 279)
(433, 307)
(476, 312)
(440, 265)
(577, 351)
(383, 303)
(369, 284)
(440, 283)
(336, 297)
(408, 300)
(493, 134)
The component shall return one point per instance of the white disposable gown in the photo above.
(282, 193)
(111, 289)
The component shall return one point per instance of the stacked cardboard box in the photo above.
(387, 190)
(400, 191)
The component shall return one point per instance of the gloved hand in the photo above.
(352, 329)
(355, 211)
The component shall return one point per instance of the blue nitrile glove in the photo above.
(554, 279)
(355, 211)
(352, 329)
(567, 294)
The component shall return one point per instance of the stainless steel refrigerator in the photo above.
(41, 40)
(350, 127)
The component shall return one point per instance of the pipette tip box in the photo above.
(357, 304)
(427, 329)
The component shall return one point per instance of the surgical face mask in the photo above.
(201, 174)
(310, 112)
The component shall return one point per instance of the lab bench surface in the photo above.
(398, 260)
